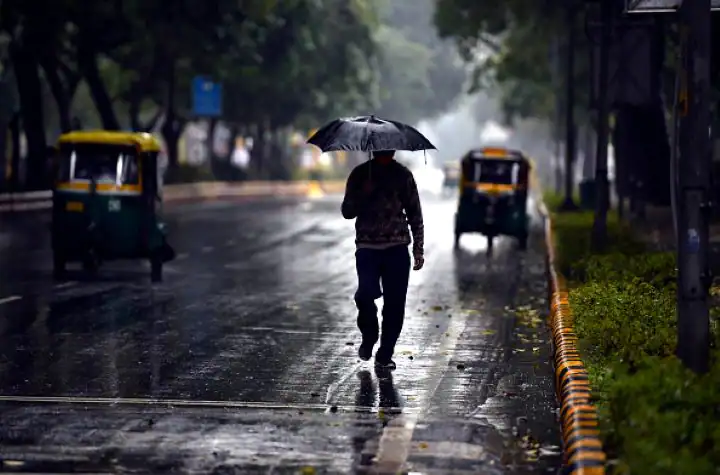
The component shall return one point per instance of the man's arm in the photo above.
(351, 201)
(413, 211)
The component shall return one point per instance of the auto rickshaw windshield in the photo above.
(502, 172)
(103, 164)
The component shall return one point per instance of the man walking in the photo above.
(382, 197)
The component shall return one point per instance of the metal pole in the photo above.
(694, 187)
(570, 147)
(602, 186)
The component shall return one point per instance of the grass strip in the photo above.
(656, 417)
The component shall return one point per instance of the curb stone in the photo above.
(583, 450)
(200, 191)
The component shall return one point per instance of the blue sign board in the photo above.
(206, 97)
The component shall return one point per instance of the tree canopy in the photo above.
(419, 74)
(516, 48)
(125, 64)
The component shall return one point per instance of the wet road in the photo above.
(244, 359)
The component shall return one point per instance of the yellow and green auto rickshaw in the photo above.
(106, 201)
(493, 195)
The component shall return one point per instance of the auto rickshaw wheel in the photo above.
(156, 268)
(523, 242)
(59, 265)
(91, 263)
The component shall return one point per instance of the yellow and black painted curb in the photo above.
(583, 450)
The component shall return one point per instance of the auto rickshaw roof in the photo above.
(145, 141)
(494, 153)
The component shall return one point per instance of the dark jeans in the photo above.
(391, 267)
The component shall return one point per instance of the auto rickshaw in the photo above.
(493, 195)
(451, 172)
(107, 201)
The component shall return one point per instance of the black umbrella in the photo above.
(368, 133)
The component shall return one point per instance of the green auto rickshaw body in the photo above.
(106, 201)
(493, 191)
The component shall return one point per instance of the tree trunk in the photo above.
(134, 108)
(258, 151)
(25, 64)
(218, 167)
(659, 170)
(170, 128)
(212, 125)
(137, 93)
(4, 159)
(171, 144)
(15, 156)
(234, 131)
(59, 92)
(87, 60)
(150, 124)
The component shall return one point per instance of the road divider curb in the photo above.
(38, 200)
(583, 450)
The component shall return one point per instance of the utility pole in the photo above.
(602, 186)
(570, 131)
(693, 209)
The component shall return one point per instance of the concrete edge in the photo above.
(583, 452)
(39, 200)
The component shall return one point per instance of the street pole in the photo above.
(570, 132)
(694, 278)
(602, 186)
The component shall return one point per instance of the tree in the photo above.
(33, 38)
(419, 75)
(302, 71)
(403, 76)
(279, 65)
(511, 46)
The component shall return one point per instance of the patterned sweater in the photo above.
(384, 212)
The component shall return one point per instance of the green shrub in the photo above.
(622, 322)
(662, 419)
(554, 201)
(573, 239)
(655, 268)
(656, 417)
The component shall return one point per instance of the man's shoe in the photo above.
(365, 351)
(387, 365)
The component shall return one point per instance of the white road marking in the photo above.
(65, 285)
(181, 256)
(12, 298)
(396, 440)
(334, 386)
(230, 242)
(291, 331)
(109, 401)
(207, 249)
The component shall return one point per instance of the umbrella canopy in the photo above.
(368, 133)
